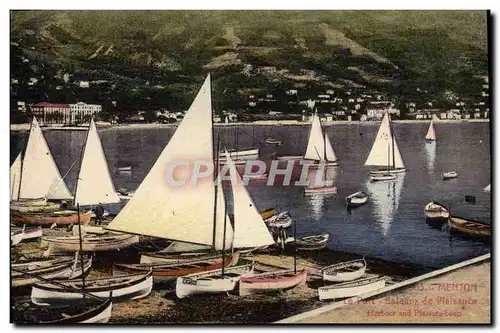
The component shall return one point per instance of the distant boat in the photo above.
(272, 141)
(322, 183)
(449, 175)
(356, 199)
(487, 188)
(345, 271)
(435, 210)
(385, 152)
(351, 288)
(431, 133)
(319, 148)
(125, 169)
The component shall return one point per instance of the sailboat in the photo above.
(191, 213)
(431, 133)
(319, 148)
(385, 152)
(94, 186)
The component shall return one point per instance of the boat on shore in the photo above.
(351, 288)
(345, 271)
(16, 236)
(469, 227)
(434, 210)
(28, 232)
(177, 257)
(63, 217)
(449, 175)
(309, 243)
(27, 207)
(356, 199)
(111, 242)
(121, 288)
(272, 281)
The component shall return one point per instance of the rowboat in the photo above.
(435, 210)
(48, 269)
(272, 141)
(25, 233)
(351, 288)
(345, 271)
(310, 243)
(382, 177)
(163, 273)
(449, 175)
(16, 236)
(110, 242)
(282, 220)
(272, 281)
(241, 152)
(211, 282)
(65, 217)
(122, 288)
(469, 227)
(356, 199)
(25, 206)
(88, 312)
(268, 213)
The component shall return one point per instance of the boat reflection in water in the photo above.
(385, 197)
(316, 178)
(430, 156)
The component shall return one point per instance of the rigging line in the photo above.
(62, 179)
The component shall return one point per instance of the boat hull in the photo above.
(26, 208)
(435, 211)
(382, 178)
(46, 219)
(89, 244)
(350, 289)
(391, 171)
(357, 199)
(348, 271)
(469, 227)
(290, 158)
(321, 190)
(171, 258)
(241, 153)
(268, 282)
(16, 238)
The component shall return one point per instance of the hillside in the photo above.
(150, 59)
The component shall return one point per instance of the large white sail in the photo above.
(15, 178)
(431, 132)
(249, 228)
(184, 213)
(95, 185)
(330, 153)
(316, 145)
(40, 176)
(382, 150)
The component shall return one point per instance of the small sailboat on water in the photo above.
(430, 137)
(385, 152)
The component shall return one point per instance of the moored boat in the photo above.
(272, 281)
(111, 242)
(65, 217)
(290, 158)
(124, 168)
(122, 288)
(282, 220)
(211, 282)
(311, 190)
(435, 210)
(345, 271)
(356, 199)
(351, 288)
(449, 175)
(469, 227)
(382, 177)
(241, 152)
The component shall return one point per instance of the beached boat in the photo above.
(29, 232)
(122, 288)
(282, 220)
(351, 288)
(27, 187)
(435, 210)
(177, 257)
(268, 213)
(385, 152)
(345, 271)
(272, 281)
(163, 273)
(319, 148)
(211, 282)
(309, 243)
(63, 217)
(61, 268)
(16, 236)
(356, 199)
(450, 175)
(26, 206)
(382, 177)
(430, 137)
(272, 141)
(111, 242)
(469, 227)
(90, 311)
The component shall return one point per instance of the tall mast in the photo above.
(224, 238)
(216, 176)
(392, 139)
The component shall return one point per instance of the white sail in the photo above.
(249, 228)
(316, 145)
(385, 197)
(330, 153)
(184, 213)
(184, 247)
(431, 132)
(382, 150)
(15, 178)
(40, 176)
(94, 184)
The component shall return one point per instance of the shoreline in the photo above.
(26, 127)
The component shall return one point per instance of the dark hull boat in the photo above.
(469, 227)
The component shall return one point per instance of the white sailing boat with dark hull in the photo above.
(385, 152)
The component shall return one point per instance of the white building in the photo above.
(82, 112)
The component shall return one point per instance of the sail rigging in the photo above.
(94, 184)
(40, 176)
(385, 147)
(160, 208)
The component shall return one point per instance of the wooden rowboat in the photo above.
(435, 210)
(309, 243)
(345, 271)
(272, 281)
(123, 288)
(352, 288)
(111, 242)
(86, 312)
(449, 175)
(61, 268)
(59, 217)
(356, 199)
(211, 282)
(23, 206)
(163, 273)
(469, 227)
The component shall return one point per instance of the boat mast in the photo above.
(224, 238)
(216, 179)
(81, 248)
(392, 139)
